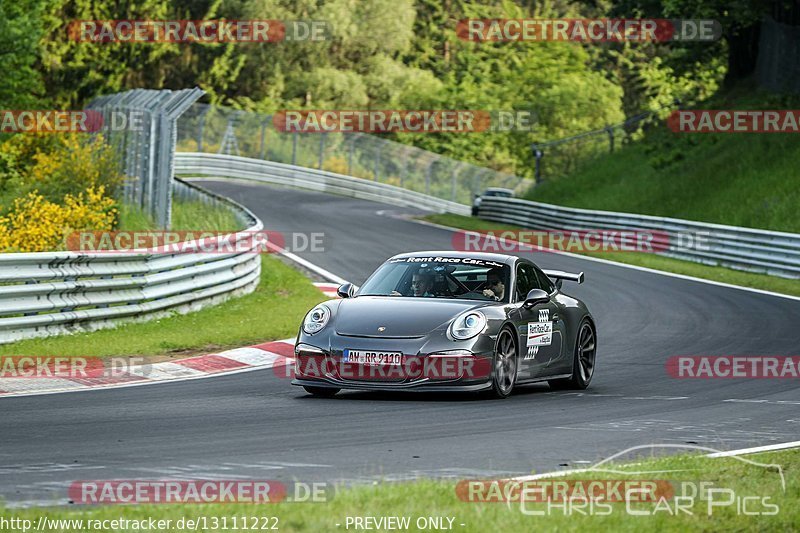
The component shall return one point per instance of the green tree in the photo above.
(20, 28)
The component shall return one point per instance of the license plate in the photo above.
(365, 357)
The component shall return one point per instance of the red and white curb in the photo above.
(257, 357)
(328, 289)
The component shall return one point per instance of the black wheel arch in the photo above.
(509, 325)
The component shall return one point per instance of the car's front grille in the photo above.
(372, 374)
(377, 336)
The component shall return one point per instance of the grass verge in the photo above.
(186, 215)
(773, 508)
(654, 261)
(273, 311)
(748, 180)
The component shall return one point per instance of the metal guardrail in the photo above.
(61, 292)
(753, 250)
(214, 129)
(197, 164)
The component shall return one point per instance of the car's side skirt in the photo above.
(543, 378)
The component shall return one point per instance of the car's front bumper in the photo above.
(388, 387)
(469, 369)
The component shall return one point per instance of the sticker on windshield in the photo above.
(452, 260)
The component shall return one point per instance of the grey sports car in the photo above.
(449, 321)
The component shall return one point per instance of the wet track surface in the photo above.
(255, 425)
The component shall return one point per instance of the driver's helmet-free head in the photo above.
(422, 281)
(494, 277)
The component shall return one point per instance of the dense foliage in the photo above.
(52, 185)
(380, 54)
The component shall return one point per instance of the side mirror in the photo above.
(535, 297)
(346, 290)
(559, 283)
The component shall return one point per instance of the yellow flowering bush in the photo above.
(34, 224)
(52, 185)
(76, 163)
(335, 164)
(92, 211)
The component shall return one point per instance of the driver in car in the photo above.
(421, 285)
(495, 289)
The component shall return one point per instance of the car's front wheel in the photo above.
(583, 362)
(321, 391)
(504, 373)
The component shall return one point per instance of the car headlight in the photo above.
(467, 325)
(316, 319)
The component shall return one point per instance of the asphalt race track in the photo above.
(255, 425)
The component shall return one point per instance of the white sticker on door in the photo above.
(540, 333)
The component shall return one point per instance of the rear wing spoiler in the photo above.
(559, 275)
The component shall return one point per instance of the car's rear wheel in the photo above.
(504, 373)
(583, 362)
(321, 391)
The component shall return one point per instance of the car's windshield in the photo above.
(440, 277)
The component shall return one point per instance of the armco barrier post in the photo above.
(537, 153)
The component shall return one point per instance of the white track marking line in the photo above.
(768, 402)
(633, 267)
(330, 276)
(758, 449)
(314, 268)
